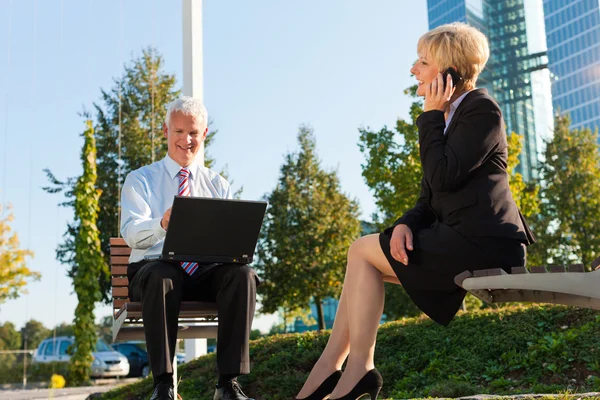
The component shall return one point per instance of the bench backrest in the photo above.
(119, 259)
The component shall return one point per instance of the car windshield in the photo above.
(102, 346)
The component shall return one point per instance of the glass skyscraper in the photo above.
(573, 36)
(517, 73)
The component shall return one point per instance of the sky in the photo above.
(269, 67)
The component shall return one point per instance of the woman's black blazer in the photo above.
(465, 183)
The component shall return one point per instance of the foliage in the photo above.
(519, 349)
(11, 369)
(525, 194)
(10, 338)
(89, 260)
(567, 225)
(32, 334)
(135, 107)
(393, 166)
(13, 262)
(64, 329)
(308, 228)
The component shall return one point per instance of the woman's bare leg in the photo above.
(364, 251)
(367, 267)
(335, 352)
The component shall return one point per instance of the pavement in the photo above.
(74, 393)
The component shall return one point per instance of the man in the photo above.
(160, 286)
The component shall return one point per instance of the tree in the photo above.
(393, 171)
(570, 197)
(32, 334)
(89, 260)
(10, 338)
(136, 103)
(308, 228)
(393, 166)
(64, 329)
(13, 262)
(526, 194)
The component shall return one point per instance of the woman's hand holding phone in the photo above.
(438, 93)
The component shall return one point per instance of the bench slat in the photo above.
(118, 271)
(118, 303)
(596, 263)
(116, 282)
(120, 251)
(519, 270)
(117, 242)
(189, 309)
(489, 272)
(576, 268)
(119, 260)
(120, 291)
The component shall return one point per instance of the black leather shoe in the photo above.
(370, 384)
(162, 391)
(230, 391)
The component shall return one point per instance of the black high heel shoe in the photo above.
(370, 384)
(325, 388)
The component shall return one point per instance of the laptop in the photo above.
(208, 230)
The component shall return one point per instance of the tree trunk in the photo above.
(320, 316)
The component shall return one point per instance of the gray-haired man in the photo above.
(160, 286)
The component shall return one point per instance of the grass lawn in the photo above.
(505, 351)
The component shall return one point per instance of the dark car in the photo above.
(136, 355)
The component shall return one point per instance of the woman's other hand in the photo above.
(436, 97)
(402, 240)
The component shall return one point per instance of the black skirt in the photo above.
(440, 253)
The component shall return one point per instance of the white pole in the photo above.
(192, 54)
(192, 86)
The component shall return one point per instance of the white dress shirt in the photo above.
(149, 191)
(453, 106)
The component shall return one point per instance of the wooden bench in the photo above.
(196, 319)
(553, 284)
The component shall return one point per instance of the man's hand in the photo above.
(436, 97)
(402, 239)
(164, 222)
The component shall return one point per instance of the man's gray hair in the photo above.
(188, 106)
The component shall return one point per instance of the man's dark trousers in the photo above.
(161, 286)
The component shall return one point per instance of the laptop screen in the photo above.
(213, 230)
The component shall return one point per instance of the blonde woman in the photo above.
(465, 217)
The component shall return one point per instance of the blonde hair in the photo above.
(456, 45)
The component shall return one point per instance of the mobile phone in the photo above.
(455, 77)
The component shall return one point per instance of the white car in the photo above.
(107, 362)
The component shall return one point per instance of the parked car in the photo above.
(137, 355)
(107, 362)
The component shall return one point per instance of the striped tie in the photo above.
(184, 190)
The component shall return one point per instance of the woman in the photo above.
(464, 219)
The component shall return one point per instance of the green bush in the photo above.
(42, 372)
(517, 349)
(11, 371)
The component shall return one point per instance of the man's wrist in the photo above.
(159, 231)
